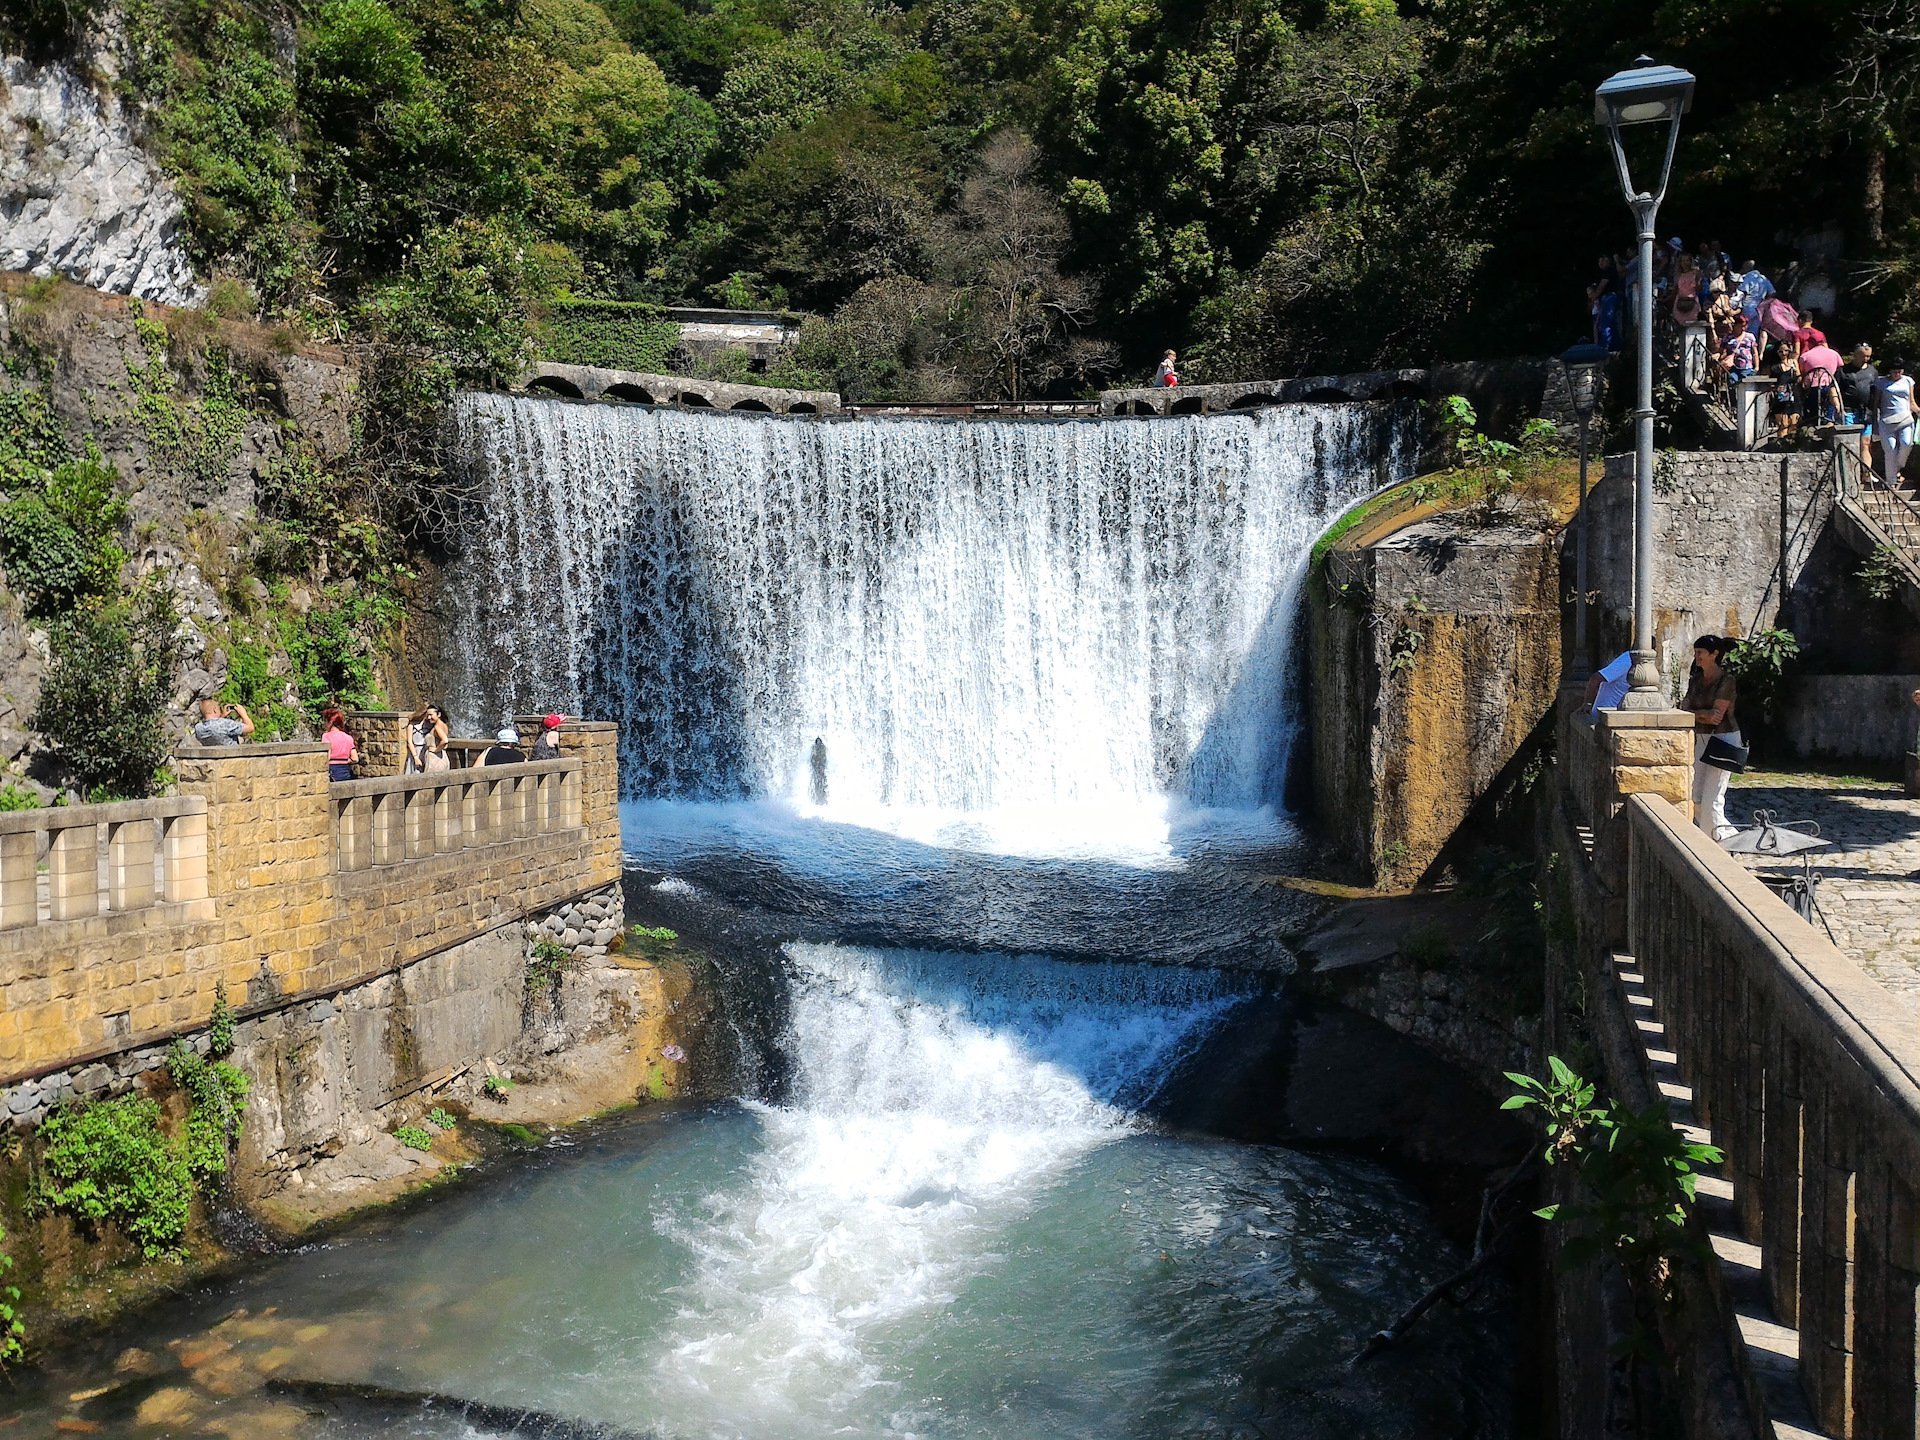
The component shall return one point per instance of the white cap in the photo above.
(508, 736)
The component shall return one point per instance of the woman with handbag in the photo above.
(1718, 749)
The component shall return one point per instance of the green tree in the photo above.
(104, 701)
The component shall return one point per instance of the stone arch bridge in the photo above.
(1498, 389)
(590, 382)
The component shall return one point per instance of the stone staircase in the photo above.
(1877, 522)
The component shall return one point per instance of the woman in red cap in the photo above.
(547, 747)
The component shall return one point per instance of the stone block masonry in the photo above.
(288, 912)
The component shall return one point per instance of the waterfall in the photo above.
(907, 613)
(938, 1099)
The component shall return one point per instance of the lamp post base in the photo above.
(1646, 693)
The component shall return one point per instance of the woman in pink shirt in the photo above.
(343, 751)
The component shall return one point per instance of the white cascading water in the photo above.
(887, 614)
(936, 1099)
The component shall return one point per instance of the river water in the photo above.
(962, 752)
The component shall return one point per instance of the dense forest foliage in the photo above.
(1003, 196)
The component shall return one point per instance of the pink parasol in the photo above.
(1818, 364)
(1779, 319)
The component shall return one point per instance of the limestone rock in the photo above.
(78, 197)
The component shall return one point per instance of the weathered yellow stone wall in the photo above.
(281, 922)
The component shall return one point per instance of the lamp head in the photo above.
(1582, 365)
(1646, 94)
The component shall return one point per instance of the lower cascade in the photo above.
(908, 613)
(956, 1219)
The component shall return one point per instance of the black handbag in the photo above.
(1723, 754)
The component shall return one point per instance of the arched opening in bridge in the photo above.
(803, 407)
(1406, 390)
(554, 385)
(694, 400)
(758, 405)
(629, 393)
(1188, 405)
(1136, 407)
(1252, 402)
(1329, 394)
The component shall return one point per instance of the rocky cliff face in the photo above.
(78, 196)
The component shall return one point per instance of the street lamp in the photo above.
(1581, 368)
(1648, 94)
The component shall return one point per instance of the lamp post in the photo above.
(1581, 366)
(1648, 94)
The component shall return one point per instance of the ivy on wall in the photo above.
(619, 335)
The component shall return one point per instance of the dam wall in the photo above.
(1434, 654)
(371, 936)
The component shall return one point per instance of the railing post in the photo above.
(130, 864)
(476, 813)
(1887, 1276)
(389, 835)
(419, 811)
(570, 799)
(353, 842)
(73, 872)
(183, 842)
(1826, 1256)
(19, 882)
(446, 818)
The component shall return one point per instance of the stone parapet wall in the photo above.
(281, 922)
(1807, 1074)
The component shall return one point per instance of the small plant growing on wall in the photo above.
(414, 1137)
(497, 1087)
(1880, 575)
(545, 962)
(13, 1333)
(217, 1093)
(440, 1119)
(220, 1025)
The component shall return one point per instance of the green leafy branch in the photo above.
(1637, 1173)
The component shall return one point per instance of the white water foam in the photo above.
(935, 1098)
(900, 622)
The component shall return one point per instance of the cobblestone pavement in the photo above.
(1869, 890)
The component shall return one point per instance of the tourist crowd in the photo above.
(425, 748)
(1752, 329)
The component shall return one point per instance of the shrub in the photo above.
(218, 1093)
(440, 1119)
(59, 540)
(106, 693)
(110, 1163)
(17, 797)
(413, 1137)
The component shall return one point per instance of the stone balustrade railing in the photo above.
(389, 819)
(1807, 1074)
(101, 859)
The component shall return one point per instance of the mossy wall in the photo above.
(1435, 652)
